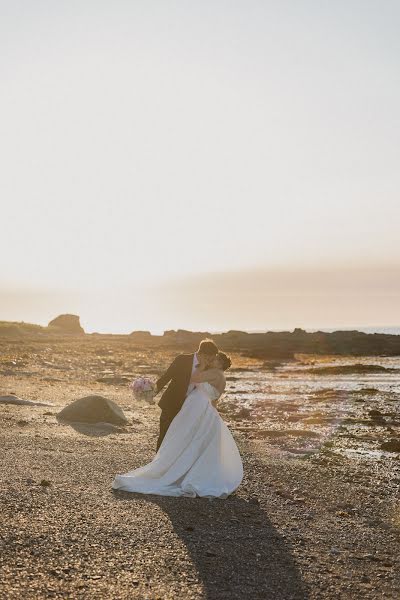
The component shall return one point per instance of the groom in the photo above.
(179, 374)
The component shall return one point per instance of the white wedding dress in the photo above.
(198, 455)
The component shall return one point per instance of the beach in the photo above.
(317, 515)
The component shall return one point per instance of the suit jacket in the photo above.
(179, 374)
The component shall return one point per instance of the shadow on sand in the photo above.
(234, 547)
(93, 429)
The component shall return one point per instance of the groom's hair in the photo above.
(207, 347)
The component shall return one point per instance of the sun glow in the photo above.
(135, 157)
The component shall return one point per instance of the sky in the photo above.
(205, 165)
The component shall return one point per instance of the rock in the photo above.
(140, 336)
(357, 368)
(93, 409)
(271, 365)
(299, 331)
(392, 445)
(254, 501)
(12, 399)
(375, 414)
(370, 556)
(67, 324)
(244, 413)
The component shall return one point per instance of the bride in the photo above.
(198, 455)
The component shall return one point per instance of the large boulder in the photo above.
(67, 324)
(93, 409)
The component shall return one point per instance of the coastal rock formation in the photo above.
(268, 346)
(67, 324)
(285, 344)
(93, 409)
(140, 336)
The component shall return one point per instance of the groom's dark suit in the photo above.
(179, 374)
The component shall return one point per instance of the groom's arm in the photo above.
(213, 376)
(209, 376)
(168, 375)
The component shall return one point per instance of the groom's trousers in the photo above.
(165, 421)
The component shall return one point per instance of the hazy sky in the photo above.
(200, 164)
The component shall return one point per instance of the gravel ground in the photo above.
(315, 527)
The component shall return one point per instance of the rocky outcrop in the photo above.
(184, 338)
(140, 336)
(268, 346)
(285, 344)
(13, 329)
(67, 324)
(93, 409)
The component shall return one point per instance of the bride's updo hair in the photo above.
(207, 347)
(224, 360)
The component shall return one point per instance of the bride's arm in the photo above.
(220, 385)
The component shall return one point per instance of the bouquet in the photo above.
(143, 389)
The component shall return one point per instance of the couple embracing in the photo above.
(196, 453)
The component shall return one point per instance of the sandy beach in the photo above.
(317, 515)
